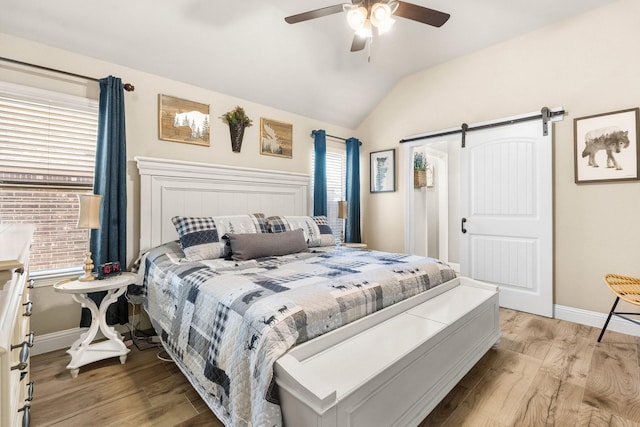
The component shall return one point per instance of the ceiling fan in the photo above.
(366, 16)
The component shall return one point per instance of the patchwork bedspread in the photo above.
(226, 322)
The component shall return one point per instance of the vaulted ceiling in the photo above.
(245, 48)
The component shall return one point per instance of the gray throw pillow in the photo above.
(249, 246)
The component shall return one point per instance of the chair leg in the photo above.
(615, 303)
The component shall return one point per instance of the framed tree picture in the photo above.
(606, 147)
(180, 120)
(383, 171)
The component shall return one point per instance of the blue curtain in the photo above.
(320, 173)
(352, 233)
(109, 243)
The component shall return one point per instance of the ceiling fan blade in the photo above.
(358, 43)
(421, 14)
(313, 14)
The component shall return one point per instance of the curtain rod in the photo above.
(331, 136)
(337, 137)
(127, 86)
(334, 137)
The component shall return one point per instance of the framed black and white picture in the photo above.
(606, 147)
(383, 171)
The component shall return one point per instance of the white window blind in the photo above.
(46, 137)
(336, 185)
(47, 156)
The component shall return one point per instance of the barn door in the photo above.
(506, 208)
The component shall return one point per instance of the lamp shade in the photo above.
(342, 209)
(89, 213)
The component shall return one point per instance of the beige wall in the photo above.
(54, 312)
(588, 65)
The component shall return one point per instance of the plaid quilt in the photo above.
(226, 322)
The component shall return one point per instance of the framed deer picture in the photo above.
(606, 147)
(276, 138)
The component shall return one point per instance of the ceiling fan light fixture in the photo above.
(380, 12)
(386, 26)
(365, 30)
(356, 17)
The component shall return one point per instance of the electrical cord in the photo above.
(166, 358)
(142, 342)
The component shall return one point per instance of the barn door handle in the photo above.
(464, 230)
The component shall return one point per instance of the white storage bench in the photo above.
(393, 367)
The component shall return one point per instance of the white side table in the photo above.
(83, 351)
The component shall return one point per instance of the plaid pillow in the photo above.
(316, 229)
(326, 233)
(200, 237)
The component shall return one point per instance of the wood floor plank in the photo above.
(594, 417)
(550, 401)
(569, 361)
(78, 398)
(168, 390)
(167, 415)
(202, 420)
(613, 383)
(498, 396)
(450, 402)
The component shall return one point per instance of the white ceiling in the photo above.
(245, 49)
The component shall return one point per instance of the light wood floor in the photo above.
(544, 372)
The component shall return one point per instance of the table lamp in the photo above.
(342, 214)
(88, 218)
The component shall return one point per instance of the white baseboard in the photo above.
(63, 339)
(595, 319)
(55, 340)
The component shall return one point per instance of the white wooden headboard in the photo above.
(172, 187)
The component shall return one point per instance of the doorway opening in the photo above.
(433, 200)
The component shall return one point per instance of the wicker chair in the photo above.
(627, 288)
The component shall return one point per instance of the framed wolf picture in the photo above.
(606, 147)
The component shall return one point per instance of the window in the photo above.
(47, 156)
(336, 185)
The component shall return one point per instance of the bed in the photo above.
(315, 335)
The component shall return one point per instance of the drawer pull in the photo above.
(26, 418)
(29, 397)
(32, 284)
(29, 309)
(24, 356)
(30, 338)
(28, 341)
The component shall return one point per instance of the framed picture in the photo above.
(606, 147)
(383, 171)
(276, 138)
(180, 120)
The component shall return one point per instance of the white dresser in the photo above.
(16, 339)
